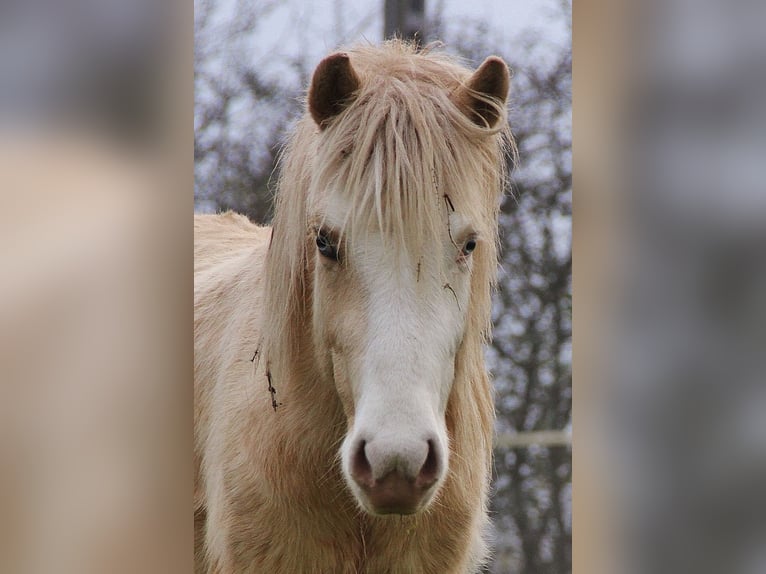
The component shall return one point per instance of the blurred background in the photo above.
(253, 62)
(683, 404)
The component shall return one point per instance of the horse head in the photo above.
(401, 240)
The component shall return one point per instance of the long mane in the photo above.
(403, 155)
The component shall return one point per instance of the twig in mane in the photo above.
(448, 201)
(419, 261)
(448, 286)
(272, 390)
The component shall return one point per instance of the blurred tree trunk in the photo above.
(404, 19)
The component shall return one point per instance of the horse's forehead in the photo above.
(332, 210)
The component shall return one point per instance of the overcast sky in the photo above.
(309, 30)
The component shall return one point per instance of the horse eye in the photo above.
(325, 247)
(469, 246)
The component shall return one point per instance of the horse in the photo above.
(343, 412)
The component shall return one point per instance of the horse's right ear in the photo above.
(332, 88)
(483, 97)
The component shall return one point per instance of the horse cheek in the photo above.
(342, 381)
(339, 320)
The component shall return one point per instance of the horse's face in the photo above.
(387, 327)
(388, 323)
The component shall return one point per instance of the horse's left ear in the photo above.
(485, 92)
(332, 87)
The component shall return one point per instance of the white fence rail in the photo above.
(546, 438)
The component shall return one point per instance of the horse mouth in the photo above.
(395, 494)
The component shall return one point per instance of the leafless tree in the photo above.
(531, 352)
(239, 113)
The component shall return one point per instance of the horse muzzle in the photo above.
(397, 476)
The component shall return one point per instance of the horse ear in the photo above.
(489, 83)
(332, 88)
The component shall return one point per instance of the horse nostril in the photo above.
(360, 466)
(429, 472)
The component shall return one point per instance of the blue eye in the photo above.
(325, 246)
(469, 246)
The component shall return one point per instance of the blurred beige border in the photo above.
(598, 67)
(96, 330)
